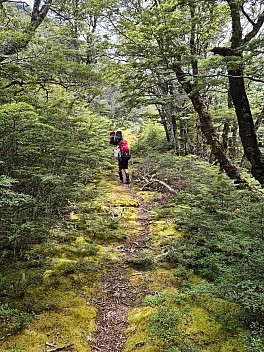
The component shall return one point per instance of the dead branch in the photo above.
(153, 180)
(60, 348)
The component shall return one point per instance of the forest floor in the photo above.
(140, 307)
(119, 295)
(103, 284)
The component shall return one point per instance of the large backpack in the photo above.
(124, 149)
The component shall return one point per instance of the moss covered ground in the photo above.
(50, 296)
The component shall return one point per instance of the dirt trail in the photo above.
(118, 295)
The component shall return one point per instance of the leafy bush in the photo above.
(166, 326)
(46, 161)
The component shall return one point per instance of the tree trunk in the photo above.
(237, 87)
(174, 132)
(207, 127)
(201, 147)
(256, 127)
(225, 136)
(211, 136)
(246, 125)
(183, 142)
(163, 121)
(233, 141)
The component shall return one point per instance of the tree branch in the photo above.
(224, 51)
(12, 83)
(44, 81)
(247, 16)
(255, 30)
(38, 15)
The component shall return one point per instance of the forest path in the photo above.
(118, 295)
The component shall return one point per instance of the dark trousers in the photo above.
(123, 170)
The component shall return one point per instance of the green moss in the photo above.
(143, 261)
(146, 195)
(138, 337)
(74, 217)
(211, 333)
(74, 321)
(171, 321)
(161, 231)
(78, 256)
(162, 279)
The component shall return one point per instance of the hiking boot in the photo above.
(127, 179)
(120, 176)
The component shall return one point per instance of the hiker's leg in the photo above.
(124, 175)
(120, 175)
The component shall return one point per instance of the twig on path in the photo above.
(96, 348)
(60, 348)
(51, 344)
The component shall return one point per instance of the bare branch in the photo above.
(247, 16)
(255, 30)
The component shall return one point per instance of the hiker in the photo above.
(123, 155)
(112, 137)
(115, 137)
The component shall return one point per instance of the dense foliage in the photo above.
(45, 161)
(222, 230)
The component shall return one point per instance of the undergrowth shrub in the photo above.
(166, 326)
(223, 231)
(12, 320)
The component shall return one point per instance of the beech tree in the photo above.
(240, 42)
(47, 152)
